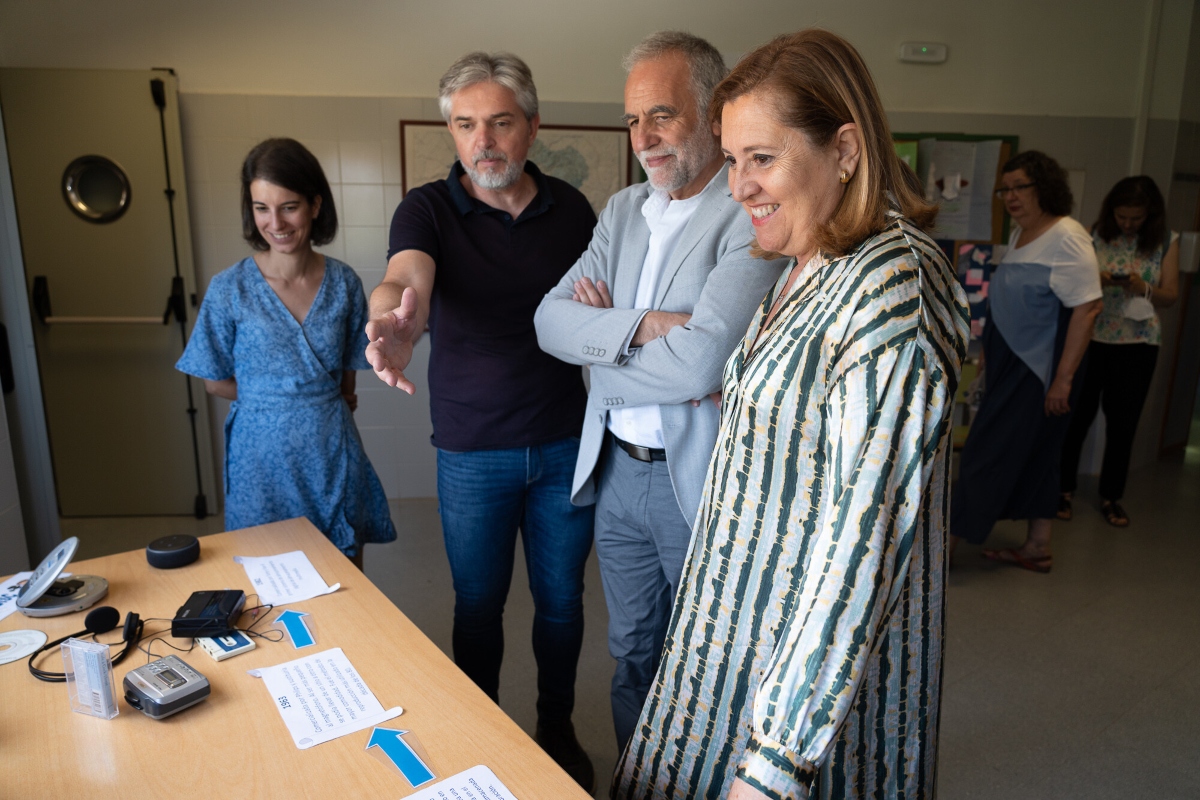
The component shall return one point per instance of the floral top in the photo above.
(1120, 257)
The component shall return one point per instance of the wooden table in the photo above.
(234, 744)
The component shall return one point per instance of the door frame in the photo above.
(27, 416)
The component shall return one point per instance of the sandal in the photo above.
(1113, 514)
(1041, 564)
(1064, 507)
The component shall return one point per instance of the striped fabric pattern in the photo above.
(805, 648)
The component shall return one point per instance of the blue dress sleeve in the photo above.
(355, 356)
(209, 351)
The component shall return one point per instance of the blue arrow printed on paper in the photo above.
(401, 754)
(297, 629)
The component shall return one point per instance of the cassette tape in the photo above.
(223, 647)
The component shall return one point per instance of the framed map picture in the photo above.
(597, 161)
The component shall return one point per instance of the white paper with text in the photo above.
(285, 578)
(322, 697)
(477, 783)
(9, 591)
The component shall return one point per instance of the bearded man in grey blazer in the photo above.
(654, 307)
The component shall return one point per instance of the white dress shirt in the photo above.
(666, 218)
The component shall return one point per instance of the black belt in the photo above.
(646, 454)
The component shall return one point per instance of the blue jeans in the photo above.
(484, 496)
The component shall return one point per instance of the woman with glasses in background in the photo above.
(1044, 297)
(1139, 270)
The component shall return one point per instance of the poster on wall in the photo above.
(597, 161)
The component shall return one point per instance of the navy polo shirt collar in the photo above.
(467, 204)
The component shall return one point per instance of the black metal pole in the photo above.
(158, 92)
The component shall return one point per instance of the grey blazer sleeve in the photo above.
(575, 332)
(687, 363)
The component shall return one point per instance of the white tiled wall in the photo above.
(357, 140)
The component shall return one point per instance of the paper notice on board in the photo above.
(477, 783)
(322, 697)
(987, 160)
(285, 578)
(947, 180)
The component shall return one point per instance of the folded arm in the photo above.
(578, 332)
(686, 361)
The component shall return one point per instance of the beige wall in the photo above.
(1068, 57)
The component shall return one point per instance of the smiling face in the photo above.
(1020, 197)
(1130, 219)
(491, 134)
(670, 138)
(789, 186)
(283, 218)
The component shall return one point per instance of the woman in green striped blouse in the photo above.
(805, 648)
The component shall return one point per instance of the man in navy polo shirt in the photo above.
(472, 256)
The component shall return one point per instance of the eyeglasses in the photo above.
(1003, 190)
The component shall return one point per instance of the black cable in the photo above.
(158, 92)
(158, 637)
(61, 677)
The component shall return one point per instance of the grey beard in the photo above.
(492, 180)
(690, 158)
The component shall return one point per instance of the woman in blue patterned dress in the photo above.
(804, 652)
(280, 334)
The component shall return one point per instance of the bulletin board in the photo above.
(973, 256)
(974, 251)
(977, 183)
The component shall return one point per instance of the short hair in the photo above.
(287, 163)
(704, 61)
(504, 69)
(1139, 191)
(817, 82)
(1048, 178)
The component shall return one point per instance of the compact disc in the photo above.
(19, 644)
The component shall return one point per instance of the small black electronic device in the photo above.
(1119, 279)
(169, 552)
(165, 687)
(212, 613)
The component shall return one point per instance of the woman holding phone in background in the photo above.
(1138, 259)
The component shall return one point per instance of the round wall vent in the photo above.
(96, 189)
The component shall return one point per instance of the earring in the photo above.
(844, 177)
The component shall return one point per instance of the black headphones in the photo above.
(100, 620)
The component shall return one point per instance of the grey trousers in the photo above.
(641, 542)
